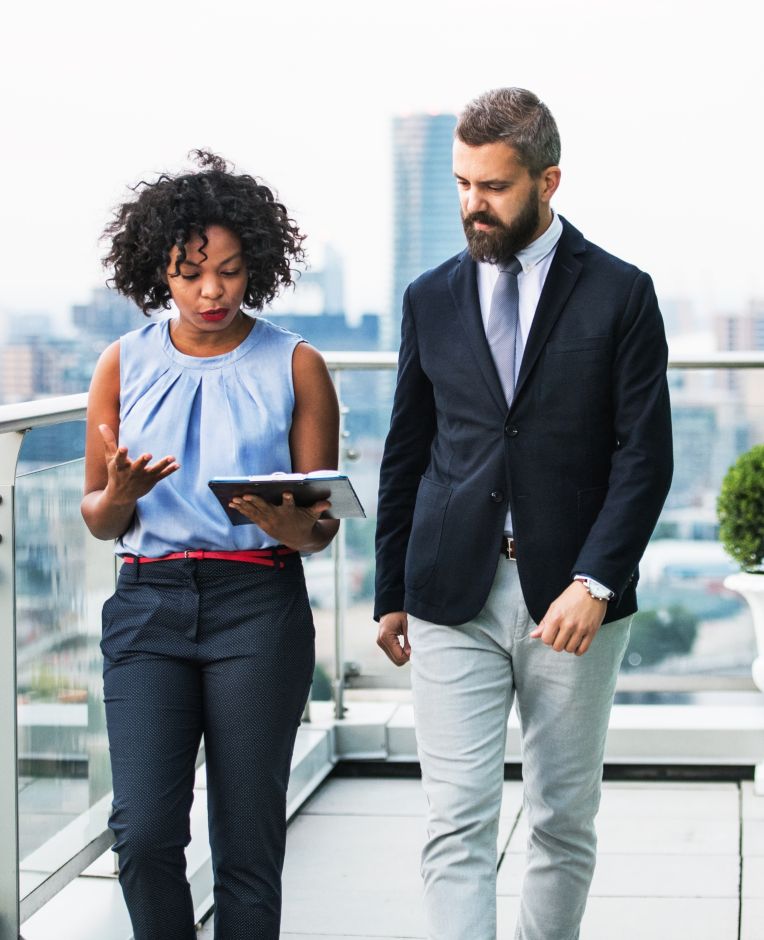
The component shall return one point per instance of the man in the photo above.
(528, 459)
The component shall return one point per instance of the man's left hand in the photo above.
(572, 621)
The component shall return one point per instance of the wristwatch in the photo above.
(596, 590)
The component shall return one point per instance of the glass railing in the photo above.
(690, 636)
(63, 576)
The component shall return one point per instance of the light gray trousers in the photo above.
(464, 680)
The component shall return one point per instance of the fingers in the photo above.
(393, 650)
(564, 636)
(162, 468)
(263, 506)
(316, 509)
(392, 628)
(170, 469)
(250, 506)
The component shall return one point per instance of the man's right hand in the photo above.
(393, 628)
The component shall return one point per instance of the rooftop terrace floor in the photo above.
(679, 860)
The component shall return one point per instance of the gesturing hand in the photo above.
(392, 628)
(291, 524)
(131, 479)
(572, 621)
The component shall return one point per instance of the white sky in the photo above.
(660, 106)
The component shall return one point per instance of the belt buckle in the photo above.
(508, 548)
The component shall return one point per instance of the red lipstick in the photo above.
(213, 316)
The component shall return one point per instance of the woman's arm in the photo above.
(314, 445)
(113, 482)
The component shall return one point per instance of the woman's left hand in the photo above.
(293, 526)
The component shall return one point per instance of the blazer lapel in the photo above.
(563, 274)
(462, 282)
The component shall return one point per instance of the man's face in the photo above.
(503, 207)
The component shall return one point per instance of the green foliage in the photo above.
(658, 634)
(740, 508)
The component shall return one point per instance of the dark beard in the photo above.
(502, 244)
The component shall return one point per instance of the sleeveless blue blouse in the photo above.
(226, 415)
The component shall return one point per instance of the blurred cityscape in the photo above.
(688, 622)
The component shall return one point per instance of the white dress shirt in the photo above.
(535, 260)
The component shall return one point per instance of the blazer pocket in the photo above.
(580, 344)
(426, 530)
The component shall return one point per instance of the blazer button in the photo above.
(511, 431)
(497, 496)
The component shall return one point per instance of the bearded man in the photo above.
(528, 459)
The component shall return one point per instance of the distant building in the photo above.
(331, 331)
(426, 226)
(40, 367)
(28, 370)
(743, 331)
(329, 281)
(363, 393)
(106, 317)
(679, 316)
(27, 326)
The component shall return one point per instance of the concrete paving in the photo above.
(681, 860)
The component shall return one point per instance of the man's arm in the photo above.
(642, 464)
(639, 481)
(406, 456)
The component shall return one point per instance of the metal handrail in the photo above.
(45, 411)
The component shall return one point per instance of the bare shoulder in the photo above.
(108, 361)
(105, 382)
(307, 360)
(309, 369)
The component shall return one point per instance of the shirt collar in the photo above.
(530, 256)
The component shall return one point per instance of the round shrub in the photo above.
(740, 508)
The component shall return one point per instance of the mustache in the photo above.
(485, 217)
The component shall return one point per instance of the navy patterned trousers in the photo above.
(223, 650)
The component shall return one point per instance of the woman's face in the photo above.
(210, 287)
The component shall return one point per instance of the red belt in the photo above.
(260, 556)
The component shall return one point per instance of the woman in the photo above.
(209, 631)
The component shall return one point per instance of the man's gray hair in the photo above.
(516, 117)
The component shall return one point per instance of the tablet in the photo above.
(307, 488)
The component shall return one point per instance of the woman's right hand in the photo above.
(131, 479)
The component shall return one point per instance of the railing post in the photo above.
(340, 583)
(10, 918)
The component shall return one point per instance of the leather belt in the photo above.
(508, 547)
(260, 556)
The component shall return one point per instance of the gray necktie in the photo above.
(502, 330)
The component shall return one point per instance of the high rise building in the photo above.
(743, 331)
(426, 226)
(106, 317)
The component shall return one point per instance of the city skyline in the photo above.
(655, 129)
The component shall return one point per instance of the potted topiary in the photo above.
(741, 529)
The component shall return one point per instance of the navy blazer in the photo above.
(583, 456)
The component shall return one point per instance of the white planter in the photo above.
(751, 586)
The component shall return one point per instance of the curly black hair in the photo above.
(169, 211)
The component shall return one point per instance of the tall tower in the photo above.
(426, 225)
